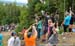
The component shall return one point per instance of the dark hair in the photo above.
(40, 18)
(24, 27)
(68, 10)
(13, 33)
(29, 34)
(55, 25)
(46, 12)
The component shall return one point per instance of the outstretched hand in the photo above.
(34, 30)
(33, 24)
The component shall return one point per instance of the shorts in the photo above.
(73, 29)
(71, 23)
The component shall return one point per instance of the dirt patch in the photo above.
(69, 39)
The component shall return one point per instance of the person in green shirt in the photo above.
(39, 27)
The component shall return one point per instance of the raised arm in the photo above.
(34, 31)
(27, 30)
(44, 15)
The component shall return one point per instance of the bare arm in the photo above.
(34, 31)
(27, 30)
(44, 16)
(54, 30)
(62, 23)
(20, 32)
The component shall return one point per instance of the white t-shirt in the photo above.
(14, 42)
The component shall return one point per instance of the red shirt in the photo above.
(23, 31)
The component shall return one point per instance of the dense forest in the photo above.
(24, 15)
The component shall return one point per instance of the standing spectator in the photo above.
(1, 39)
(30, 37)
(14, 40)
(66, 22)
(71, 20)
(71, 23)
(22, 32)
(53, 40)
(39, 27)
(50, 27)
(56, 17)
(52, 18)
(22, 35)
(46, 26)
(73, 29)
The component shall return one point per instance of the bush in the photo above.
(19, 28)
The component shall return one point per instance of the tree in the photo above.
(9, 13)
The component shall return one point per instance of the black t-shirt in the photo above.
(71, 21)
(46, 20)
(74, 18)
(53, 19)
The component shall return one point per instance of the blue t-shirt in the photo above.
(1, 38)
(67, 20)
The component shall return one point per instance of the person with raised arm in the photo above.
(30, 37)
(46, 15)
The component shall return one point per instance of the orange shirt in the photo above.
(30, 41)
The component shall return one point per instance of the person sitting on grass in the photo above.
(30, 37)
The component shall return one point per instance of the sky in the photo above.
(21, 1)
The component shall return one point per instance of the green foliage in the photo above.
(38, 7)
(35, 6)
(9, 14)
(19, 28)
(25, 15)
